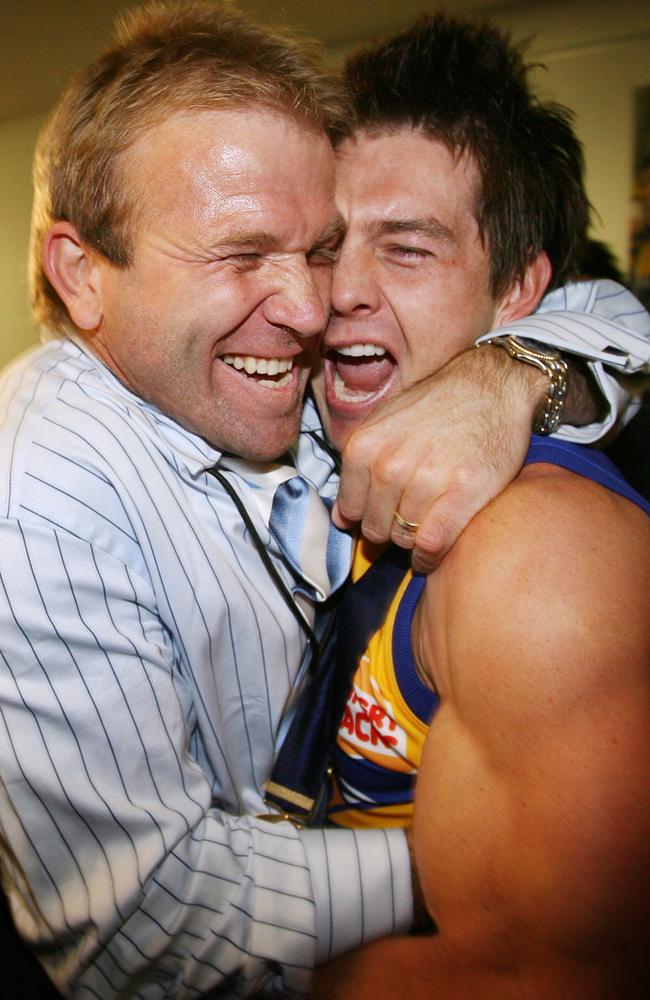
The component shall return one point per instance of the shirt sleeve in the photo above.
(602, 322)
(362, 887)
(143, 886)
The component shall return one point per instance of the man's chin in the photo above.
(266, 451)
(257, 442)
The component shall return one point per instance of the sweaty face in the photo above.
(411, 285)
(218, 317)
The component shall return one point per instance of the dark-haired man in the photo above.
(504, 676)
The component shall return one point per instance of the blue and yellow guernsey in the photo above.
(389, 708)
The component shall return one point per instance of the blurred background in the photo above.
(593, 56)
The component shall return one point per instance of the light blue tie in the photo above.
(313, 546)
(299, 520)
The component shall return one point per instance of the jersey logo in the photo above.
(370, 727)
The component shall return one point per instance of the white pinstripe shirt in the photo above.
(145, 663)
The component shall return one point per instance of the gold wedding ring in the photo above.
(403, 523)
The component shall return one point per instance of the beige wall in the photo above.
(595, 53)
(17, 138)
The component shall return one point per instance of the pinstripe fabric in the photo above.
(145, 662)
(602, 322)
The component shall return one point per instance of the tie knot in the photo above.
(299, 520)
(316, 550)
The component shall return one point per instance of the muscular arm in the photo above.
(532, 816)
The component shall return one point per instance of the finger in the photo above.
(353, 494)
(404, 534)
(441, 527)
(422, 492)
(339, 519)
(370, 494)
(383, 500)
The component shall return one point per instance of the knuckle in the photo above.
(432, 544)
(353, 494)
(465, 477)
(373, 530)
(427, 484)
(385, 469)
(358, 447)
(437, 535)
(350, 507)
(405, 539)
(423, 563)
(387, 476)
(472, 492)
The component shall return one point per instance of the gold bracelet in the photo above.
(554, 367)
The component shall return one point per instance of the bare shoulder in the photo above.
(550, 513)
(553, 577)
(536, 630)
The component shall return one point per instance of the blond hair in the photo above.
(168, 57)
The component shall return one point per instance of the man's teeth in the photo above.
(261, 366)
(362, 351)
(347, 395)
(342, 390)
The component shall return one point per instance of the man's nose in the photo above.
(354, 286)
(300, 303)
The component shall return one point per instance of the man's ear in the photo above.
(525, 293)
(71, 267)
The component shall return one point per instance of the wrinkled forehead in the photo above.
(206, 164)
(231, 138)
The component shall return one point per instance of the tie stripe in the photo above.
(316, 550)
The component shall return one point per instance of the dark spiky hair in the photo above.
(465, 84)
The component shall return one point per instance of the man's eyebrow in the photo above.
(259, 239)
(333, 233)
(264, 242)
(419, 227)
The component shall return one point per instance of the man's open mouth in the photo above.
(359, 371)
(271, 372)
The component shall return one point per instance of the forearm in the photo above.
(528, 389)
(231, 897)
(112, 813)
(361, 883)
(151, 884)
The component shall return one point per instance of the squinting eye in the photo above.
(323, 255)
(247, 261)
(415, 252)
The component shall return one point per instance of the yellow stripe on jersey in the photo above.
(378, 724)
